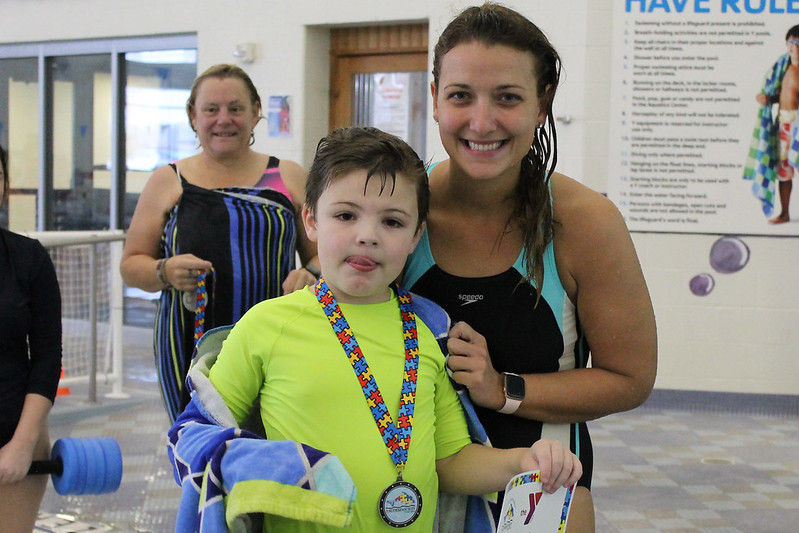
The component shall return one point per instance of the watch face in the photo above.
(514, 387)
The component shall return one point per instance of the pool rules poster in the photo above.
(691, 148)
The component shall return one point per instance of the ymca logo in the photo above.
(512, 509)
(535, 497)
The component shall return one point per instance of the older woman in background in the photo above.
(228, 212)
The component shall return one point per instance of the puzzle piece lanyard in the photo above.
(201, 303)
(401, 502)
(396, 437)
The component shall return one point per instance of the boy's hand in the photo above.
(558, 465)
(761, 98)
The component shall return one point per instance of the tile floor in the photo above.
(677, 464)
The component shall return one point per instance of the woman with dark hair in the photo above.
(541, 266)
(30, 366)
(227, 208)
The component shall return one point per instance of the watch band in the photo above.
(514, 395)
(510, 407)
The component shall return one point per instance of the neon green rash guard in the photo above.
(284, 353)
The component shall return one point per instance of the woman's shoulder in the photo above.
(437, 169)
(291, 171)
(21, 243)
(163, 187)
(27, 253)
(585, 221)
(168, 171)
(294, 178)
(187, 165)
(575, 202)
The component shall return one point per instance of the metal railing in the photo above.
(87, 266)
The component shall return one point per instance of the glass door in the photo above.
(19, 135)
(157, 130)
(85, 122)
(81, 142)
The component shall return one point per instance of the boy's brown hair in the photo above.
(364, 148)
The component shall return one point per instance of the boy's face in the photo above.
(363, 240)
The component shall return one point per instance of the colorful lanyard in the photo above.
(201, 304)
(396, 437)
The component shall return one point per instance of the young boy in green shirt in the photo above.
(347, 367)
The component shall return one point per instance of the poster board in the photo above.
(684, 79)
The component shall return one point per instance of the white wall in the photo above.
(743, 337)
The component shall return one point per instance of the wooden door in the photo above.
(378, 50)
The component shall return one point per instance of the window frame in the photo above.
(44, 53)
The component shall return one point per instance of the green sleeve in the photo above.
(238, 374)
(452, 434)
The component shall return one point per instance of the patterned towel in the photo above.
(231, 475)
(227, 472)
(763, 158)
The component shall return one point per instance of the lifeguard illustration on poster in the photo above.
(704, 98)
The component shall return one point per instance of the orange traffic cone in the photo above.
(62, 390)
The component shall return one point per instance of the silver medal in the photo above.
(189, 300)
(400, 504)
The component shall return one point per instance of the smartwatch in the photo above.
(514, 393)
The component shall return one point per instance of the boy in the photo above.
(776, 158)
(366, 200)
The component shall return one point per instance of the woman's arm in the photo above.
(294, 176)
(142, 243)
(599, 269)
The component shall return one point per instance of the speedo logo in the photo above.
(467, 299)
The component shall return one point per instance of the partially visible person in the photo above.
(228, 211)
(30, 366)
(780, 85)
(351, 366)
(539, 270)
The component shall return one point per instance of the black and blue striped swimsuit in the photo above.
(249, 235)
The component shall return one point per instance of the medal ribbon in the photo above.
(396, 437)
(202, 303)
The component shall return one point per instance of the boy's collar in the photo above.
(392, 294)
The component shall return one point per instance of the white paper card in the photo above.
(527, 508)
